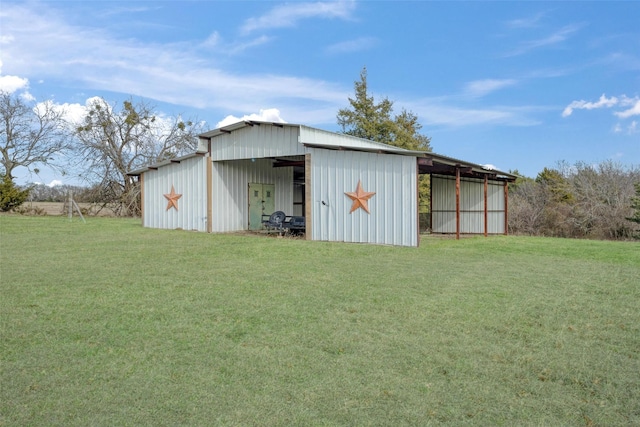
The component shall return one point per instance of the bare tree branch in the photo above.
(113, 142)
(31, 135)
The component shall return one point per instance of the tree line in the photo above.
(600, 201)
(590, 201)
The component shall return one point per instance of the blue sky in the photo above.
(519, 85)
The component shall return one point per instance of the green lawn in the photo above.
(108, 323)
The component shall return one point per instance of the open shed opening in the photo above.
(465, 198)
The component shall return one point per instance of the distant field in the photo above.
(59, 208)
(108, 323)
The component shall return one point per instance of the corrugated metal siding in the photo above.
(230, 191)
(258, 141)
(393, 217)
(471, 206)
(443, 205)
(322, 137)
(495, 206)
(189, 179)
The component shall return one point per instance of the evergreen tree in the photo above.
(557, 185)
(11, 196)
(373, 120)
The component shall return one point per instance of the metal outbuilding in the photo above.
(347, 189)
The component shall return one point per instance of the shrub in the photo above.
(11, 196)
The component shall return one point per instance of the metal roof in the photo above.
(140, 171)
(445, 165)
(239, 125)
(428, 162)
(307, 135)
(310, 136)
(433, 162)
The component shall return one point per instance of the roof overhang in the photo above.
(138, 172)
(432, 163)
(388, 149)
(239, 125)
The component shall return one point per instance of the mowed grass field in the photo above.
(107, 323)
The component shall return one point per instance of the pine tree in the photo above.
(373, 121)
(11, 196)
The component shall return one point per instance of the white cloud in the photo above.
(553, 39)
(355, 45)
(11, 84)
(633, 111)
(72, 113)
(630, 129)
(218, 44)
(26, 95)
(266, 115)
(212, 40)
(603, 102)
(174, 73)
(181, 74)
(240, 47)
(75, 113)
(437, 112)
(289, 14)
(528, 22)
(5, 39)
(128, 10)
(480, 88)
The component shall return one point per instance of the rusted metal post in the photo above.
(457, 203)
(431, 203)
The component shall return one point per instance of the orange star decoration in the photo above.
(172, 198)
(360, 198)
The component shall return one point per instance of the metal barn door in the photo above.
(261, 202)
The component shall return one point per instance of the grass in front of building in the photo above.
(108, 323)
